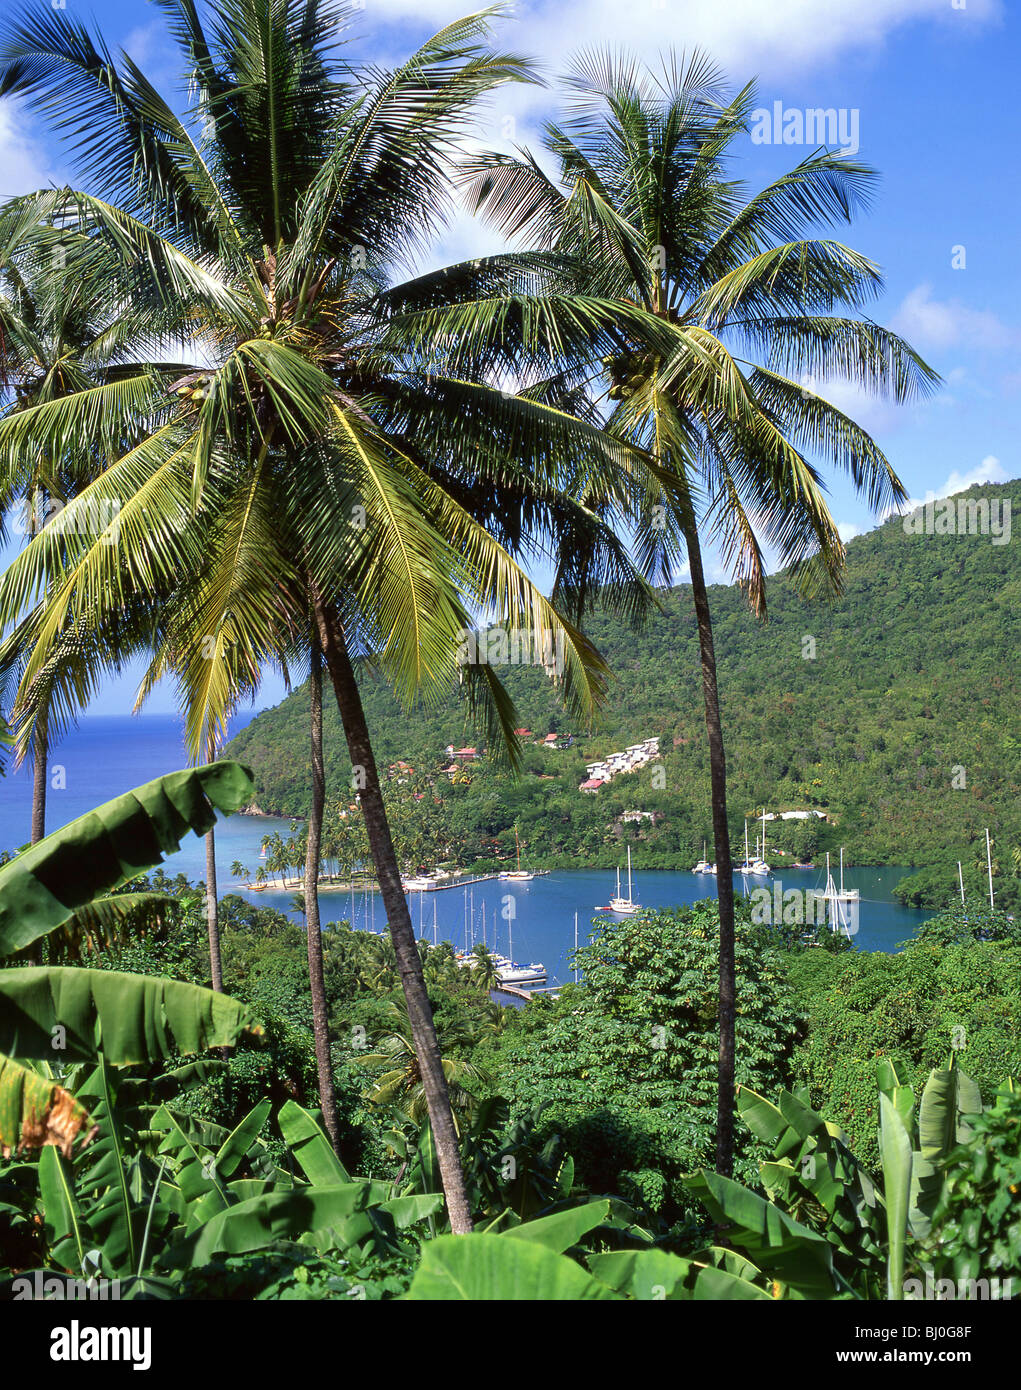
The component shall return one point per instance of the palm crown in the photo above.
(706, 320)
(282, 462)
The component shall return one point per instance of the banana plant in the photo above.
(78, 865)
(912, 1159)
(868, 1221)
(57, 1012)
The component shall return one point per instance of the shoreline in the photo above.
(278, 885)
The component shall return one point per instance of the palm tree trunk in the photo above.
(40, 759)
(316, 979)
(40, 768)
(724, 869)
(213, 913)
(395, 904)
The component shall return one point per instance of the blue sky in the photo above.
(932, 83)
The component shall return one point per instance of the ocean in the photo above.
(533, 921)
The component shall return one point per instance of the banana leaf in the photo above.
(35, 1111)
(273, 1216)
(646, 1275)
(310, 1146)
(64, 1228)
(494, 1269)
(718, 1285)
(781, 1247)
(48, 883)
(946, 1096)
(67, 1012)
(895, 1151)
(564, 1228)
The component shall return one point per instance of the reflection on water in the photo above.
(531, 921)
(535, 921)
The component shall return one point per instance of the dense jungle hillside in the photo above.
(893, 709)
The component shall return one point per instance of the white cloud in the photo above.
(24, 164)
(775, 39)
(990, 470)
(847, 530)
(933, 323)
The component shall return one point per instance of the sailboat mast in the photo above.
(960, 880)
(629, 873)
(763, 834)
(989, 865)
(841, 870)
(746, 859)
(575, 948)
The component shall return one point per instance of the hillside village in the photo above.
(636, 755)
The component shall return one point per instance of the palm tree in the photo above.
(54, 340)
(712, 320)
(315, 460)
(399, 1083)
(483, 971)
(240, 872)
(310, 901)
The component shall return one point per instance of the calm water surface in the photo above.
(533, 921)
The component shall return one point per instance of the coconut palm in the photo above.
(289, 467)
(732, 315)
(483, 969)
(399, 1080)
(54, 340)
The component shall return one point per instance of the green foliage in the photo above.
(976, 1227)
(914, 1008)
(295, 1274)
(625, 1066)
(861, 732)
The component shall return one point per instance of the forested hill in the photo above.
(905, 725)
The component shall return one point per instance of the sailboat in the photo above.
(518, 875)
(703, 866)
(759, 865)
(834, 896)
(748, 867)
(842, 894)
(624, 907)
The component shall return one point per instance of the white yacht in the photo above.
(518, 875)
(511, 974)
(623, 907)
(703, 866)
(759, 865)
(842, 902)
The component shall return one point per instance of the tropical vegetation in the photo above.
(254, 436)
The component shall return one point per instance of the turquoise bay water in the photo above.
(105, 756)
(533, 921)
